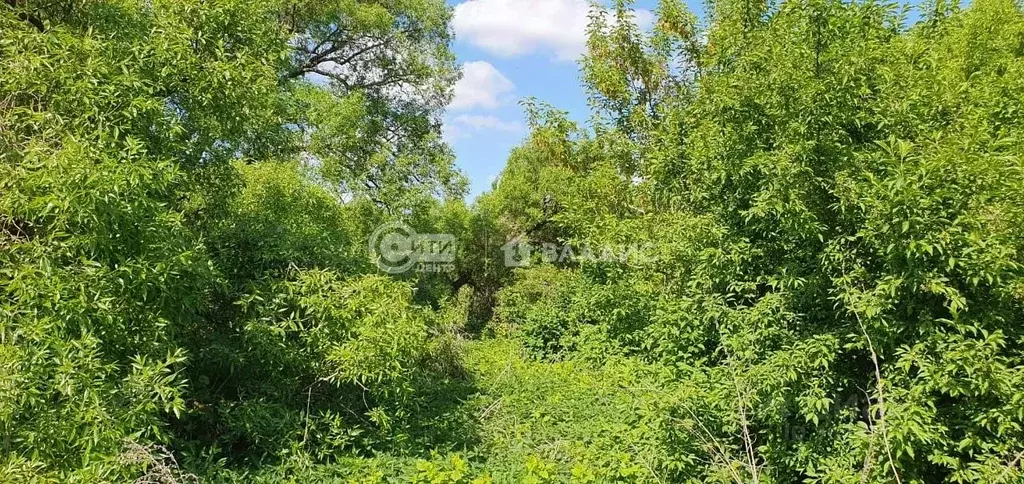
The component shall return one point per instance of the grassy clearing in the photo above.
(525, 421)
(563, 420)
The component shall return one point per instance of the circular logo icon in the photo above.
(392, 247)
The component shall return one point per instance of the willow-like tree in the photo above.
(185, 188)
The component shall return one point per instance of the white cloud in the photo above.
(467, 125)
(450, 132)
(481, 86)
(511, 28)
(483, 122)
(644, 18)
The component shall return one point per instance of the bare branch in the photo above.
(881, 399)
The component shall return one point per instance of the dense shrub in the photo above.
(833, 201)
(183, 227)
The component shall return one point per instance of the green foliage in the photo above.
(334, 364)
(831, 200)
(97, 281)
(568, 421)
(827, 197)
(273, 218)
(182, 251)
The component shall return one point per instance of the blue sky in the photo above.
(510, 50)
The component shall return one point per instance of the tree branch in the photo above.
(881, 398)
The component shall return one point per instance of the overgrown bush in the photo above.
(182, 232)
(832, 196)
